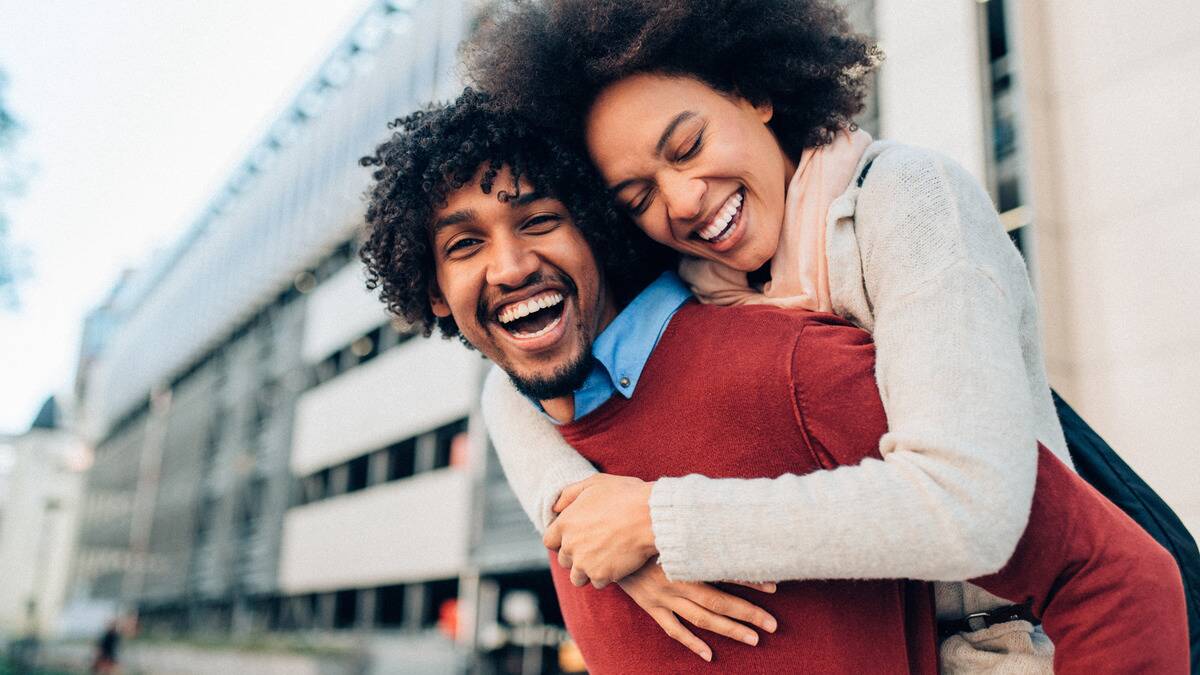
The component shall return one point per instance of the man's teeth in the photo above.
(522, 309)
(721, 221)
(537, 333)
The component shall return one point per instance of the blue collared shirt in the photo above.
(620, 352)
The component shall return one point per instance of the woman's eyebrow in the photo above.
(674, 124)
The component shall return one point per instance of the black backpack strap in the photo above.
(863, 175)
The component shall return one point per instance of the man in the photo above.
(500, 236)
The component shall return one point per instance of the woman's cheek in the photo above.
(659, 232)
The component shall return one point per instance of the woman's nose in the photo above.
(684, 196)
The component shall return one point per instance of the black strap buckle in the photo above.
(980, 620)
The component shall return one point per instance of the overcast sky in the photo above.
(135, 111)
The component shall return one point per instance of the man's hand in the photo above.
(700, 605)
(602, 532)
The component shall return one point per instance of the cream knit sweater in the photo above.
(918, 257)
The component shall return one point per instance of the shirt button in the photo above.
(624, 382)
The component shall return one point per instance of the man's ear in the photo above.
(438, 303)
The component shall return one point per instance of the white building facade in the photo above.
(39, 508)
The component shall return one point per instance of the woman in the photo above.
(723, 130)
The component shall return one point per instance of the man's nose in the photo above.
(683, 195)
(512, 264)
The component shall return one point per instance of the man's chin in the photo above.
(559, 382)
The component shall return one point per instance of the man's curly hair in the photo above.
(439, 150)
(551, 58)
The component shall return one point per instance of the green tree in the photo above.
(11, 181)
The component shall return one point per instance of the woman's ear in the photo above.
(437, 303)
(765, 111)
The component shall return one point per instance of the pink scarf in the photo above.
(799, 268)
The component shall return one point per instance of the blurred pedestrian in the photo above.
(106, 649)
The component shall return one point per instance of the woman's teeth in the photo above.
(522, 309)
(719, 228)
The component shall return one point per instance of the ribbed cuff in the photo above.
(669, 521)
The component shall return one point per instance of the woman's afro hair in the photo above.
(441, 149)
(551, 58)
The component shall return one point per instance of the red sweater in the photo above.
(717, 397)
(752, 392)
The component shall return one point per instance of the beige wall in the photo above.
(1112, 92)
(930, 82)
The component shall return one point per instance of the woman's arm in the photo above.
(951, 496)
(536, 460)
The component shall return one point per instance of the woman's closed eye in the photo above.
(693, 147)
(640, 203)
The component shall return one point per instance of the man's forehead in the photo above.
(470, 202)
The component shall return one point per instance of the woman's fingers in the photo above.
(578, 578)
(570, 492)
(702, 617)
(726, 604)
(677, 632)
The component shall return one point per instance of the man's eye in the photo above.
(460, 245)
(543, 223)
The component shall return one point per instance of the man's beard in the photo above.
(562, 382)
(567, 377)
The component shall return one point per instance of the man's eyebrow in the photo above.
(527, 198)
(456, 218)
(666, 134)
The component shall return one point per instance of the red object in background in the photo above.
(460, 450)
(448, 617)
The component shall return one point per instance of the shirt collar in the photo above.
(625, 345)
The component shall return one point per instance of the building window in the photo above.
(389, 606)
(402, 459)
(437, 594)
(314, 487)
(345, 608)
(359, 351)
(438, 449)
(252, 505)
(448, 437)
(358, 471)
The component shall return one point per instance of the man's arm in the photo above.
(1109, 596)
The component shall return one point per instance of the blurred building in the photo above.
(272, 454)
(41, 484)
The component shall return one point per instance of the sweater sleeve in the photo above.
(951, 495)
(536, 460)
